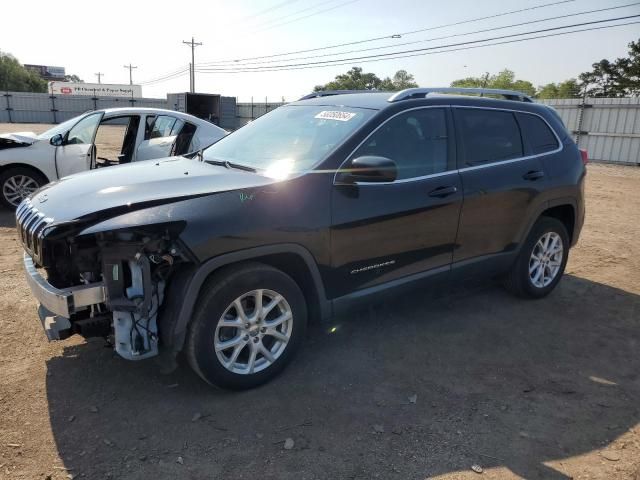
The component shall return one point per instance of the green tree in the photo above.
(630, 68)
(550, 90)
(73, 78)
(618, 78)
(603, 80)
(567, 89)
(16, 78)
(504, 79)
(356, 79)
(401, 80)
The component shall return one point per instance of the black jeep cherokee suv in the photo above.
(315, 207)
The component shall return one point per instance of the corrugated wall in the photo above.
(608, 128)
(246, 112)
(18, 107)
(25, 107)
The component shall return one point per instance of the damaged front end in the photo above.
(15, 140)
(108, 284)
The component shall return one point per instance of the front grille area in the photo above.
(31, 222)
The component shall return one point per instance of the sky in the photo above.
(87, 36)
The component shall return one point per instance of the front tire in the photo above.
(249, 321)
(541, 261)
(18, 183)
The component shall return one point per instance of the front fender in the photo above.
(185, 286)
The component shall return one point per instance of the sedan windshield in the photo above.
(290, 139)
(61, 127)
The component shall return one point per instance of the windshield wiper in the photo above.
(227, 164)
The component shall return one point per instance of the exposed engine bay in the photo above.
(131, 267)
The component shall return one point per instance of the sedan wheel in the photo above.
(17, 188)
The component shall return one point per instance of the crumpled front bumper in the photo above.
(57, 306)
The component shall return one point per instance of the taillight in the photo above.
(585, 156)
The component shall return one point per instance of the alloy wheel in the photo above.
(546, 259)
(253, 331)
(18, 187)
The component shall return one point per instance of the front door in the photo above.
(76, 153)
(385, 231)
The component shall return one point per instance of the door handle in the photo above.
(533, 175)
(442, 192)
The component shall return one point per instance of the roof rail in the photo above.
(329, 93)
(410, 93)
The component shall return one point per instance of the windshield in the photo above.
(290, 139)
(62, 128)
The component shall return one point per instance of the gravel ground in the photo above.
(413, 389)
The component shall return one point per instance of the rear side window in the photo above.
(488, 135)
(537, 134)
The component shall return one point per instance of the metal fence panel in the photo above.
(27, 107)
(246, 112)
(228, 113)
(608, 128)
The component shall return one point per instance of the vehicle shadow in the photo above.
(498, 381)
(7, 217)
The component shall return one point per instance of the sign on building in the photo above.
(95, 89)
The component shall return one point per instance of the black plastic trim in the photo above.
(194, 283)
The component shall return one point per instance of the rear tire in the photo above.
(18, 183)
(237, 341)
(541, 261)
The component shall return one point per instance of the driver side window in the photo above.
(85, 130)
(416, 141)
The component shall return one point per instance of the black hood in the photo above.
(109, 191)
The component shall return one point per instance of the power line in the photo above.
(99, 75)
(396, 35)
(193, 46)
(171, 75)
(452, 49)
(130, 67)
(267, 10)
(557, 17)
(183, 69)
(298, 12)
(307, 16)
(165, 78)
(331, 62)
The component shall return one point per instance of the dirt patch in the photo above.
(414, 389)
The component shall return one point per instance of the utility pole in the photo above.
(130, 67)
(485, 79)
(192, 71)
(99, 75)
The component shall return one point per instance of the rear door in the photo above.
(78, 151)
(503, 179)
(159, 137)
(385, 231)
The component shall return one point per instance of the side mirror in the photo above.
(369, 168)
(57, 140)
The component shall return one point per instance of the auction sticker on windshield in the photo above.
(340, 116)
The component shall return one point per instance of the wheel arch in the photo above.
(566, 213)
(563, 209)
(8, 166)
(185, 286)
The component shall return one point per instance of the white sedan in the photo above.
(28, 161)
